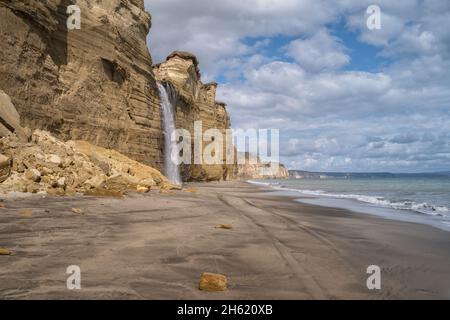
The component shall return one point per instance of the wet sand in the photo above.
(156, 246)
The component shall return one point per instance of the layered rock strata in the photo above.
(94, 84)
(260, 170)
(196, 101)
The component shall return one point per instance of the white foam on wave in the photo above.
(422, 207)
(260, 183)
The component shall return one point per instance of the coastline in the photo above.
(405, 210)
(156, 246)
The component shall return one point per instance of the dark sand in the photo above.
(156, 247)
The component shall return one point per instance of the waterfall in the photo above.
(168, 97)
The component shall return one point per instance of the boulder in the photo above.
(5, 167)
(33, 175)
(9, 118)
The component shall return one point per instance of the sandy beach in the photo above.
(156, 246)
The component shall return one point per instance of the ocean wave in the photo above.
(260, 183)
(419, 207)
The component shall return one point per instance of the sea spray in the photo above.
(168, 96)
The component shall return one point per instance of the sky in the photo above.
(345, 98)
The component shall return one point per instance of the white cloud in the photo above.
(330, 119)
(319, 52)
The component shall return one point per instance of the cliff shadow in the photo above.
(58, 44)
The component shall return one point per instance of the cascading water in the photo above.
(168, 96)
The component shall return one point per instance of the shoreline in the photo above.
(354, 204)
(156, 246)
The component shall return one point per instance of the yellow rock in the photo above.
(5, 252)
(213, 282)
(142, 189)
(27, 213)
(192, 190)
(33, 175)
(224, 226)
(166, 192)
(77, 211)
(119, 163)
(168, 186)
(102, 192)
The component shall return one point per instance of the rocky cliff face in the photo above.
(94, 84)
(253, 171)
(97, 84)
(195, 101)
(39, 162)
(260, 171)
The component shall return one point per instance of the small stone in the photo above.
(61, 182)
(32, 188)
(54, 159)
(169, 186)
(101, 192)
(46, 171)
(70, 192)
(27, 213)
(77, 211)
(224, 226)
(213, 282)
(95, 182)
(5, 252)
(166, 192)
(142, 189)
(56, 192)
(33, 175)
(191, 190)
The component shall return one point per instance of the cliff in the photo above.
(260, 171)
(94, 84)
(39, 162)
(98, 84)
(195, 101)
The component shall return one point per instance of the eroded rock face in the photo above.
(196, 101)
(97, 84)
(260, 170)
(94, 84)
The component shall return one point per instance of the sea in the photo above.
(419, 198)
